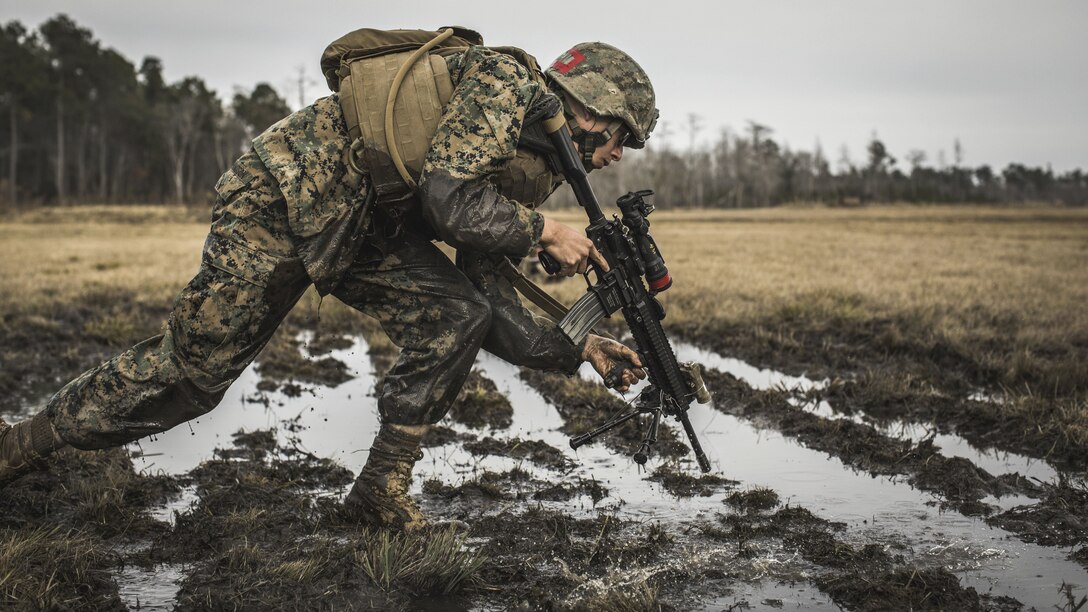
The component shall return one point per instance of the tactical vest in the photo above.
(363, 67)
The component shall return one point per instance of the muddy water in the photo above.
(340, 423)
(993, 461)
(150, 588)
(879, 509)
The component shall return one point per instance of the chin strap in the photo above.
(589, 141)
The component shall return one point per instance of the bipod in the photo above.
(650, 401)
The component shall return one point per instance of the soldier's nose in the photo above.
(617, 153)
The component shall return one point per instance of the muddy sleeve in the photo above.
(476, 138)
(516, 334)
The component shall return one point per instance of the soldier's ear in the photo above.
(577, 108)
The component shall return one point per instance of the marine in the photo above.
(296, 209)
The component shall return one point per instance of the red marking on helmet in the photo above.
(564, 67)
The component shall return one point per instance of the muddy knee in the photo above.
(472, 320)
(140, 392)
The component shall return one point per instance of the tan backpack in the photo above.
(394, 86)
(363, 67)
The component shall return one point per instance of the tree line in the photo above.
(750, 169)
(84, 124)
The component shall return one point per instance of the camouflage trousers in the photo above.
(249, 279)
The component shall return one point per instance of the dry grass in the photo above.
(995, 293)
(429, 563)
(972, 269)
(975, 266)
(48, 264)
(52, 569)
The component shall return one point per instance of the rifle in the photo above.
(637, 273)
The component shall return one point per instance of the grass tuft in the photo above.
(54, 569)
(753, 500)
(431, 562)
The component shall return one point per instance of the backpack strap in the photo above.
(390, 139)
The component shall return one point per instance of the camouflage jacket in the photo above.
(308, 152)
(464, 194)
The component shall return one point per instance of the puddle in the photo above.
(179, 504)
(756, 378)
(991, 560)
(150, 589)
(339, 423)
(770, 595)
(994, 461)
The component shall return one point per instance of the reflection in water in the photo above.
(340, 422)
(337, 422)
(150, 589)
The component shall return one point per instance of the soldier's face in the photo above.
(611, 151)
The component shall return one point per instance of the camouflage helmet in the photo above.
(609, 83)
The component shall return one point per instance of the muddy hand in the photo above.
(605, 355)
(569, 248)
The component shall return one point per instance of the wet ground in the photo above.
(814, 501)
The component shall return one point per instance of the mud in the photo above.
(961, 485)
(97, 492)
(538, 559)
(825, 344)
(440, 435)
(682, 484)
(898, 369)
(583, 406)
(909, 589)
(1059, 519)
(540, 453)
(258, 525)
(886, 394)
(753, 500)
(866, 577)
(60, 529)
(56, 569)
(42, 350)
(283, 361)
(481, 405)
(263, 533)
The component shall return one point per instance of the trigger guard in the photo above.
(615, 376)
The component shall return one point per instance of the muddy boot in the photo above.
(380, 496)
(24, 447)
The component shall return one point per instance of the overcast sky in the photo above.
(1008, 78)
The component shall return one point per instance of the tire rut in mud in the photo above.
(957, 482)
(871, 575)
(883, 394)
(895, 369)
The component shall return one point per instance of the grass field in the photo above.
(961, 298)
(966, 320)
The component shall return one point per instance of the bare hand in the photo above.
(604, 355)
(570, 248)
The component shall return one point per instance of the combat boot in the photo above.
(380, 495)
(24, 447)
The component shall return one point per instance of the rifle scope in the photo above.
(635, 209)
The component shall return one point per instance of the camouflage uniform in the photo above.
(291, 212)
